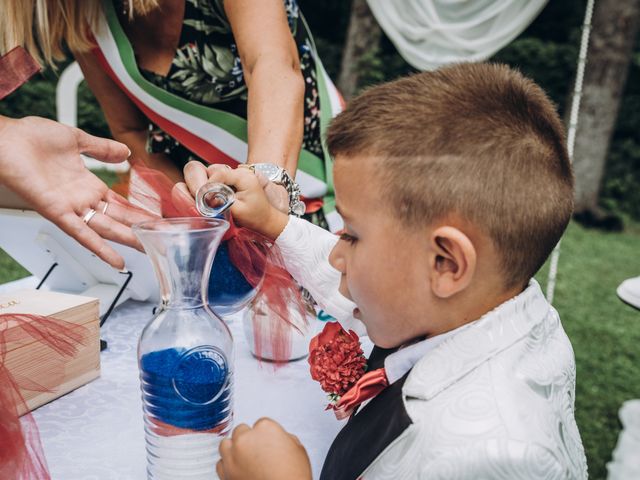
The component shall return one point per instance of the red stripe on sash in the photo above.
(197, 145)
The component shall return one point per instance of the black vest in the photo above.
(369, 432)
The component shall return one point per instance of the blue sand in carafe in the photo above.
(187, 388)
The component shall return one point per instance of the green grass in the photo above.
(604, 331)
(9, 269)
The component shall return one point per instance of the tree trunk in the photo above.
(363, 34)
(614, 29)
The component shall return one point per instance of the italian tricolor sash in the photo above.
(212, 134)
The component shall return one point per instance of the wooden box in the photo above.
(31, 359)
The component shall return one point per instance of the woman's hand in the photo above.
(196, 175)
(263, 452)
(40, 161)
(252, 208)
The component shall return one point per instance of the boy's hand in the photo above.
(251, 208)
(263, 452)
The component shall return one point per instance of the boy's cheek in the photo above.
(343, 289)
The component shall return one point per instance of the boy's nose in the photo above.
(336, 258)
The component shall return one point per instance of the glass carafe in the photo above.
(185, 353)
(229, 291)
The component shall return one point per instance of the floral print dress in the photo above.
(207, 70)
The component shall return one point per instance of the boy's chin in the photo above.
(376, 336)
(378, 340)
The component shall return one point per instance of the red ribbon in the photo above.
(21, 454)
(367, 387)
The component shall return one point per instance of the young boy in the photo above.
(454, 187)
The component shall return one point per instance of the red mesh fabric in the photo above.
(154, 191)
(254, 255)
(21, 454)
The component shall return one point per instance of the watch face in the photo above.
(298, 209)
(269, 170)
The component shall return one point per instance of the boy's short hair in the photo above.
(479, 141)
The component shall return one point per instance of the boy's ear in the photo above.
(452, 261)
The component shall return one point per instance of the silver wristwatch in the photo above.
(279, 176)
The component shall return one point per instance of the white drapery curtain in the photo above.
(430, 33)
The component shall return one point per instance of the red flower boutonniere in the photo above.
(337, 361)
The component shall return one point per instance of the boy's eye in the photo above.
(348, 238)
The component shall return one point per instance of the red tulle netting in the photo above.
(21, 454)
(256, 257)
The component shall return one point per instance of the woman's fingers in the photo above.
(218, 166)
(241, 178)
(110, 229)
(195, 175)
(74, 226)
(101, 148)
(122, 211)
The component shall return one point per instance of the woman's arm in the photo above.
(271, 69)
(128, 124)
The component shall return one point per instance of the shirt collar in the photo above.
(400, 362)
(476, 342)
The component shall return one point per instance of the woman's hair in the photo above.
(43, 27)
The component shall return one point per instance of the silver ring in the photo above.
(89, 215)
(104, 209)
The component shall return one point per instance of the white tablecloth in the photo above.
(96, 432)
